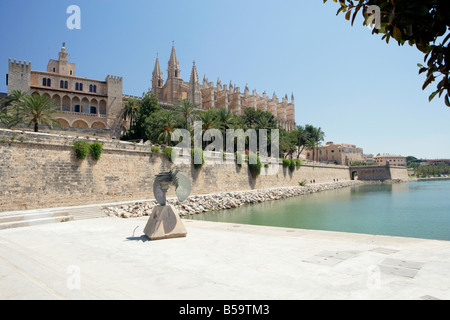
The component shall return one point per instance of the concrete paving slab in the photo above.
(109, 258)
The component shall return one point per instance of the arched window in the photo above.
(61, 84)
(66, 84)
(49, 82)
(81, 87)
(95, 88)
(90, 88)
(77, 86)
(44, 82)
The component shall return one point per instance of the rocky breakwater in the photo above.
(222, 201)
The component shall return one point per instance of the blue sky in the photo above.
(354, 86)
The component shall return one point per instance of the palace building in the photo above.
(214, 96)
(83, 102)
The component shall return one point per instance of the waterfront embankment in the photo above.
(228, 200)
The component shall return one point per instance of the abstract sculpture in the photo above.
(165, 221)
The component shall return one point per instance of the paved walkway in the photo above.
(108, 258)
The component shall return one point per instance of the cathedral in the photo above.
(214, 96)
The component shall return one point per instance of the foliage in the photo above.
(148, 106)
(96, 149)
(239, 158)
(254, 164)
(131, 110)
(423, 23)
(10, 118)
(358, 164)
(432, 170)
(82, 149)
(298, 162)
(302, 183)
(197, 153)
(286, 163)
(187, 110)
(170, 154)
(156, 150)
(37, 110)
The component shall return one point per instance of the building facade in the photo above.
(392, 160)
(83, 102)
(343, 154)
(208, 95)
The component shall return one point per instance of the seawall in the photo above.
(40, 170)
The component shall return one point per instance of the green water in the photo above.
(416, 209)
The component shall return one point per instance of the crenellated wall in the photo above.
(39, 170)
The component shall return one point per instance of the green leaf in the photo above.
(433, 95)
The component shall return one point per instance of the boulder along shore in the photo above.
(197, 204)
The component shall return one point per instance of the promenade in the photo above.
(109, 258)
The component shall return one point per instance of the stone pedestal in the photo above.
(164, 223)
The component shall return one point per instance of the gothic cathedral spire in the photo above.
(174, 66)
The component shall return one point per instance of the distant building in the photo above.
(83, 102)
(343, 154)
(369, 158)
(393, 160)
(435, 162)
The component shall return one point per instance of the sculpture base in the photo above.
(164, 223)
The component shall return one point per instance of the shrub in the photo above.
(292, 165)
(254, 164)
(81, 149)
(96, 150)
(196, 153)
(302, 183)
(156, 150)
(286, 163)
(239, 159)
(170, 153)
(298, 162)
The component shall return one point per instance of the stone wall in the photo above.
(40, 170)
(379, 173)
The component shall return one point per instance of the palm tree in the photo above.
(167, 124)
(37, 110)
(130, 109)
(208, 119)
(316, 136)
(187, 110)
(13, 98)
(9, 115)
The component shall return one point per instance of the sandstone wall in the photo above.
(39, 170)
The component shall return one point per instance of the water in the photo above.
(416, 209)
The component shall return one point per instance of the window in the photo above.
(81, 87)
(46, 82)
(66, 85)
(76, 108)
(54, 69)
(77, 86)
(91, 88)
(95, 88)
(70, 72)
(93, 110)
(61, 84)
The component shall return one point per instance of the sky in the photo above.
(350, 83)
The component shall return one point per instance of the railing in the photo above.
(100, 115)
